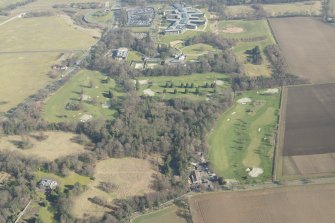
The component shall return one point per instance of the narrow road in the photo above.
(22, 212)
(11, 19)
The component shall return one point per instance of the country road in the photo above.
(11, 19)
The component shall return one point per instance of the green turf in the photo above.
(243, 137)
(4, 3)
(183, 36)
(45, 215)
(199, 80)
(93, 17)
(54, 109)
(62, 181)
(251, 29)
(134, 56)
(166, 215)
(194, 51)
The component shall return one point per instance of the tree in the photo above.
(137, 85)
(186, 90)
(171, 85)
(164, 91)
(197, 91)
(175, 91)
(192, 85)
(110, 94)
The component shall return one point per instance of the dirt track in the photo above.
(303, 204)
(308, 46)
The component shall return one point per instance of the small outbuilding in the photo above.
(47, 184)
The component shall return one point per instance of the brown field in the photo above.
(57, 144)
(308, 46)
(300, 204)
(132, 177)
(306, 144)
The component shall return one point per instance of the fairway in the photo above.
(165, 215)
(192, 52)
(157, 85)
(131, 177)
(248, 34)
(243, 137)
(28, 49)
(55, 106)
(58, 144)
(299, 204)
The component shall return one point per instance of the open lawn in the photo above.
(243, 137)
(131, 177)
(299, 204)
(24, 72)
(307, 8)
(100, 18)
(304, 8)
(22, 75)
(4, 3)
(42, 34)
(158, 84)
(308, 46)
(57, 144)
(166, 215)
(249, 34)
(192, 52)
(134, 56)
(93, 100)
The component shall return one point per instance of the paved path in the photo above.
(11, 19)
(22, 212)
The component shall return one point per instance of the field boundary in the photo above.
(278, 158)
(272, 33)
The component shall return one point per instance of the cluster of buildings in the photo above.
(47, 184)
(140, 16)
(183, 18)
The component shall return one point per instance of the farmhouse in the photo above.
(195, 177)
(121, 53)
(182, 18)
(47, 184)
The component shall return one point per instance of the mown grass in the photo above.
(71, 179)
(243, 137)
(55, 107)
(105, 19)
(22, 75)
(4, 3)
(165, 215)
(42, 33)
(134, 56)
(157, 84)
(196, 50)
(251, 29)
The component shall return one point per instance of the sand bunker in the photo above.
(219, 82)
(244, 101)
(270, 91)
(232, 30)
(255, 172)
(149, 92)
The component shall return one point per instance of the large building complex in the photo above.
(183, 18)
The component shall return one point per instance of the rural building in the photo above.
(47, 184)
(121, 53)
(182, 18)
(195, 177)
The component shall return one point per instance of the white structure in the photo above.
(182, 18)
(47, 184)
(121, 53)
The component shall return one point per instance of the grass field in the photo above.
(308, 8)
(243, 30)
(192, 52)
(308, 47)
(134, 56)
(4, 3)
(250, 144)
(21, 75)
(57, 144)
(166, 215)
(131, 176)
(157, 85)
(42, 33)
(105, 19)
(299, 204)
(24, 72)
(55, 106)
